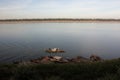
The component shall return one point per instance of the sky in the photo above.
(22, 9)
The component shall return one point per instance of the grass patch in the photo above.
(106, 70)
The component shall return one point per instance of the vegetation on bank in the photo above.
(105, 70)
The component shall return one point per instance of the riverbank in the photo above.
(105, 70)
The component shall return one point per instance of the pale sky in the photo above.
(21, 9)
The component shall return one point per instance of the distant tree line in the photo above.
(60, 19)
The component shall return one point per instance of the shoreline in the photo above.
(60, 59)
(58, 21)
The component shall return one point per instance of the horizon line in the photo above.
(60, 19)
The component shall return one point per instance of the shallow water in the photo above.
(24, 41)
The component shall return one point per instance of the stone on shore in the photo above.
(79, 59)
(95, 58)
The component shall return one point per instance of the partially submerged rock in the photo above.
(54, 50)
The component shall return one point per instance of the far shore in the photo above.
(60, 21)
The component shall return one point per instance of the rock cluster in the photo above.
(59, 59)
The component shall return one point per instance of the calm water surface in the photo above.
(24, 41)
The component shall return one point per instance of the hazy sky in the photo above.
(12, 9)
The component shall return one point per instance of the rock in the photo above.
(79, 59)
(54, 50)
(95, 58)
(45, 59)
(57, 57)
(64, 60)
